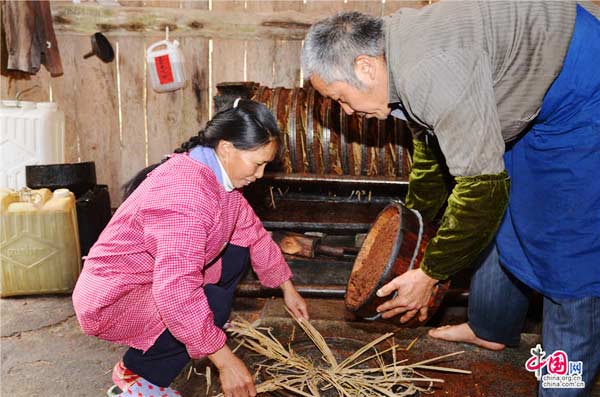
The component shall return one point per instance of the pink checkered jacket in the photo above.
(147, 269)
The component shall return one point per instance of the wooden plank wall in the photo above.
(114, 118)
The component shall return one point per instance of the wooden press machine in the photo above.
(337, 172)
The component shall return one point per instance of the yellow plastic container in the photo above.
(39, 243)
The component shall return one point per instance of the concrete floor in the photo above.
(44, 353)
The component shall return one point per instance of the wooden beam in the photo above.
(90, 18)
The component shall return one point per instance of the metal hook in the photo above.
(19, 93)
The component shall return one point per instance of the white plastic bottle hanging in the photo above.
(165, 64)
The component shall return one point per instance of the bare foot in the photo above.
(463, 333)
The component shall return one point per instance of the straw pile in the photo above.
(284, 369)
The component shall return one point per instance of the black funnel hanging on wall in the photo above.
(101, 48)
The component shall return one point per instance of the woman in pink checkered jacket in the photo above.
(162, 275)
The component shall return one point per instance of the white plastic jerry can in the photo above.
(30, 133)
(165, 64)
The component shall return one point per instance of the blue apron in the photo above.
(550, 236)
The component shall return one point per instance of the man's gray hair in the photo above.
(332, 45)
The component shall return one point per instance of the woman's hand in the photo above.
(415, 288)
(235, 378)
(294, 301)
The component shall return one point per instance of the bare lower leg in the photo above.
(463, 333)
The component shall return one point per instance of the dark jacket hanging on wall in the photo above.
(30, 37)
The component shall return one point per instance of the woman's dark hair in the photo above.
(249, 125)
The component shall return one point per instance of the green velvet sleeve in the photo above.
(428, 186)
(475, 210)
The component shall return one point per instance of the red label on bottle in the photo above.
(163, 69)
